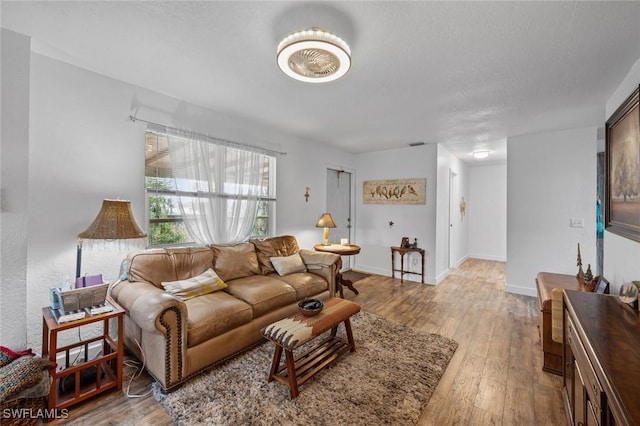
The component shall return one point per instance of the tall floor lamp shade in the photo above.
(326, 222)
(115, 221)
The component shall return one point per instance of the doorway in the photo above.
(339, 206)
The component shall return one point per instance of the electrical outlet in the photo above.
(576, 222)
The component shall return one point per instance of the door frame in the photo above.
(453, 196)
(347, 261)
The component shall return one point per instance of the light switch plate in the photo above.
(576, 222)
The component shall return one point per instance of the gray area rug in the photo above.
(388, 380)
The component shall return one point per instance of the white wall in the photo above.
(14, 176)
(459, 229)
(487, 212)
(83, 148)
(621, 255)
(373, 233)
(551, 177)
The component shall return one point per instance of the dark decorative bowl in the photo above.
(310, 307)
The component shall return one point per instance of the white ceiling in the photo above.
(464, 74)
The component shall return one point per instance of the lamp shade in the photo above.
(114, 222)
(325, 221)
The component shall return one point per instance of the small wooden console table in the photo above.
(402, 251)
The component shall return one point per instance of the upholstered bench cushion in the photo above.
(297, 330)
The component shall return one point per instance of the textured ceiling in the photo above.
(464, 74)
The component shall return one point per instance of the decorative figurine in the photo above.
(588, 277)
(580, 275)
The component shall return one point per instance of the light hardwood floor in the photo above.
(494, 378)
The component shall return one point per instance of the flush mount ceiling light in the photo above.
(314, 56)
(480, 154)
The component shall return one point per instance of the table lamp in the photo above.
(326, 222)
(115, 221)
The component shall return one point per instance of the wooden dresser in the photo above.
(601, 383)
(552, 350)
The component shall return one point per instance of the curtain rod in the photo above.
(202, 135)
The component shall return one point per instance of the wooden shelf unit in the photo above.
(108, 365)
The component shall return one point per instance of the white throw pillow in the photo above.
(286, 265)
(205, 283)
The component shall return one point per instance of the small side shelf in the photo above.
(92, 376)
(402, 251)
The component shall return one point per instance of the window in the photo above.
(175, 195)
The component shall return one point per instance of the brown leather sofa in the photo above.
(179, 338)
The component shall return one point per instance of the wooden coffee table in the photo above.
(291, 333)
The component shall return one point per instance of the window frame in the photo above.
(270, 199)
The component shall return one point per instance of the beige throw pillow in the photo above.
(286, 265)
(205, 283)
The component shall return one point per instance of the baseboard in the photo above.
(488, 257)
(386, 272)
(442, 276)
(462, 260)
(526, 291)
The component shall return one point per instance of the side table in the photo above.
(402, 251)
(342, 250)
(101, 373)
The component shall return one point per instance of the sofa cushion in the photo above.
(214, 314)
(263, 293)
(286, 265)
(267, 248)
(157, 265)
(205, 283)
(235, 261)
(306, 284)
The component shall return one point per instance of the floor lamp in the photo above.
(115, 221)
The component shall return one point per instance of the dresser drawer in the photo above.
(595, 394)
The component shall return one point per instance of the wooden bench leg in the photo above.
(334, 331)
(352, 343)
(277, 354)
(291, 371)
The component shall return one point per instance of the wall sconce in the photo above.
(306, 195)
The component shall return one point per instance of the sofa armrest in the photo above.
(145, 304)
(164, 318)
(323, 264)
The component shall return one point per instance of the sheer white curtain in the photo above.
(217, 187)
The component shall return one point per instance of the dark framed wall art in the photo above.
(622, 207)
